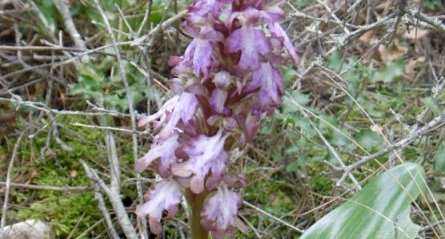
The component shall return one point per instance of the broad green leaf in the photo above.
(380, 210)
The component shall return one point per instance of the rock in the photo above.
(29, 229)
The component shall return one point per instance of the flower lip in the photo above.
(206, 155)
(164, 150)
(252, 44)
(165, 196)
(279, 32)
(220, 212)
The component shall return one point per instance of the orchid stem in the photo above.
(196, 202)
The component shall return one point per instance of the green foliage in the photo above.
(370, 140)
(67, 214)
(432, 104)
(433, 4)
(389, 72)
(95, 82)
(439, 160)
(286, 168)
(379, 210)
(48, 18)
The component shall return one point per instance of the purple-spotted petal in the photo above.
(251, 42)
(220, 212)
(166, 196)
(206, 155)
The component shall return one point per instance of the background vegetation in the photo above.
(369, 88)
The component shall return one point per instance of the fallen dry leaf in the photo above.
(410, 67)
(390, 54)
(367, 38)
(415, 34)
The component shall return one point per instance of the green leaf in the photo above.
(289, 75)
(432, 104)
(380, 210)
(47, 19)
(293, 96)
(389, 72)
(369, 139)
(293, 166)
(439, 160)
(89, 83)
(335, 61)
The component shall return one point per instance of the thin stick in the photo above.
(145, 132)
(161, 26)
(64, 9)
(42, 107)
(8, 180)
(273, 217)
(123, 76)
(116, 202)
(48, 187)
(100, 200)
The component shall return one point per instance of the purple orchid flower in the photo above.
(225, 84)
(206, 154)
(220, 212)
(165, 196)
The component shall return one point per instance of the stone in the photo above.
(29, 229)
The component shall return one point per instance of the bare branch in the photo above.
(64, 9)
(48, 188)
(100, 200)
(436, 122)
(8, 180)
(114, 197)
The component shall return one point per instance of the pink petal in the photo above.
(161, 114)
(273, 8)
(222, 80)
(220, 212)
(184, 110)
(164, 151)
(277, 31)
(206, 154)
(204, 7)
(202, 57)
(270, 83)
(166, 195)
(251, 42)
(217, 101)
